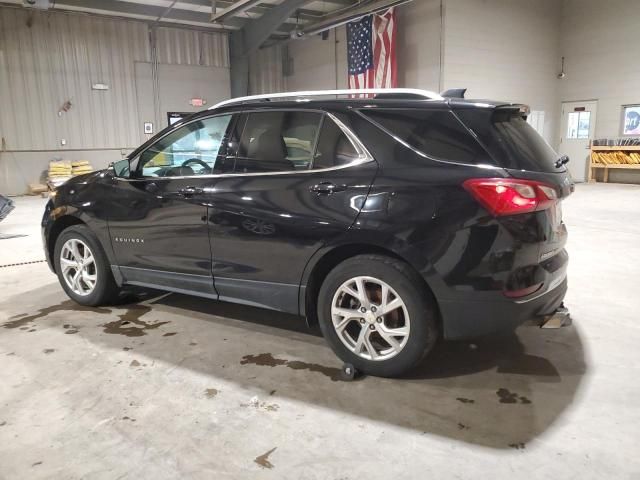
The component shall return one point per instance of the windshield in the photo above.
(510, 140)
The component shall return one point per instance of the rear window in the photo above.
(510, 140)
(436, 133)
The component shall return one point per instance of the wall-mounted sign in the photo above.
(197, 102)
(148, 128)
(631, 120)
(175, 117)
(99, 86)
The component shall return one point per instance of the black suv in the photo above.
(390, 220)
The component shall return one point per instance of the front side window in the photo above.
(277, 141)
(194, 149)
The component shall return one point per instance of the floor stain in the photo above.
(268, 360)
(129, 418)
(135, 363)
(262, 360)
(126, 349)
(36, 464)
(170, 334)
(23, 319)
(263, 460)
(465, 400)
(193, 344)
(129, 323)
(272, 392)
(255, 403)
(32, 330)
(49, 350)
(462, 426)
(71, 331)
(210, 392)
(506, 396)
(518, 446)
(2, 424)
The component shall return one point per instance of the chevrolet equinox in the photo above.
(390, 218)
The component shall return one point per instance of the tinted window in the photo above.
(334, 148)
(436, 133)
(190, 150)
(512, 142)
(277, 141)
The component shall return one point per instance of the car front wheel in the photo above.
(376, 314)
(82, 267)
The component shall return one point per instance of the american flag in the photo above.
(371, 48)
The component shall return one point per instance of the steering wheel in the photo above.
(206, 168)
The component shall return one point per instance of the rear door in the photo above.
(297, 179)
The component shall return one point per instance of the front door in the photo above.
(158, 225)
(576, 130)
(298, 182)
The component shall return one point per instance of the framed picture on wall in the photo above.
(631, 120)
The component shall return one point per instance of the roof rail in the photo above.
(321, 93)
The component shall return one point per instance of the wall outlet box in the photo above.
(63, 142)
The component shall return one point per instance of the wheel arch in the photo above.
(59, 226)
(328, 260)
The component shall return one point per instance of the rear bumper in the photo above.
(476, 318)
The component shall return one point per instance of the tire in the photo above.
(104, 288)
(415, 320)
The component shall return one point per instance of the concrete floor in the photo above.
(178, 387)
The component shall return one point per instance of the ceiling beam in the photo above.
(260, 9)
(255, 32)
(233, 10)
(122, 8)
(345, 16)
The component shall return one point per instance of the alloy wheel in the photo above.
(370, 318)
(78, 267)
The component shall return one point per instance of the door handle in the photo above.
(190, 191)
(327, 188)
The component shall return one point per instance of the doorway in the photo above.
(577, 128)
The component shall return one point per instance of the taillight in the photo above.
(502, 196)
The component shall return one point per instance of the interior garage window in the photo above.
(436, 133)
(277, 141)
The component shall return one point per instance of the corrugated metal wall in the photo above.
(192, 47)
(265, 71)
(47, 58)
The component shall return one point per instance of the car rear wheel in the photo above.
(376, 314)
(83, 269)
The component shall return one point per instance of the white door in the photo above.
(576, 129)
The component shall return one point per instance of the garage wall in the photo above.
(318, 64)
(265, 71)
(47, 58)
(599, 42)
(506, 50)
(601, 62)
(419, 44)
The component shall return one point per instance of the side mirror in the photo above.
(121, 168)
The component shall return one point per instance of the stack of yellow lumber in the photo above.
(60, 168)
(78, 168)
(616, 158)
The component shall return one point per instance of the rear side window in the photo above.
(334, 148)
(436, 133)
(510, 140)
(277, 141)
